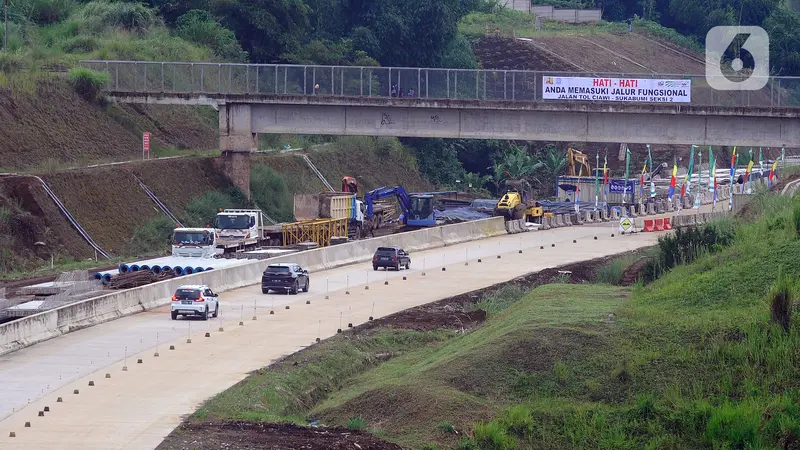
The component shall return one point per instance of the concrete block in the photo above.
(523, 225)
(577, 219)
(545, 223)
(691, 220)
(651, 208)
(615, 214)
(588, 217)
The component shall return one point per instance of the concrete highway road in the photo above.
(138, 407)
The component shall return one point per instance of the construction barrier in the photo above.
(545, 223)
(651, 208)
(658, 224)
(588, 218)
(667, 225)
(648, 226)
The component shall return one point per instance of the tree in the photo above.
(554, 162)
(519, 164)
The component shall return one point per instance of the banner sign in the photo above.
(617, 89)
(618, 187)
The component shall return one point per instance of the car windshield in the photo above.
(386, 250)
(192, 238)
(232, 222)
(278, 269)
(187, 294)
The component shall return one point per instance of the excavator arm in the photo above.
(578, 163)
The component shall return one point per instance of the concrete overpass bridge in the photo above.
(454, 103)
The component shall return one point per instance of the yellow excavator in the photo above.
(517, 202)
(578, 164)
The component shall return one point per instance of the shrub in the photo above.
(11, 62)
(88, 83)
(153, 235)
(493, 436)
(46, 12)
(356, 423)
(270, 191)
(519, 419)
(781, 297)
(197, 26)
(101, 14)
(202, 210)
(611, 272)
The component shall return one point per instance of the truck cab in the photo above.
(194, 242)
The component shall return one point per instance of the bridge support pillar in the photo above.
(236, 142)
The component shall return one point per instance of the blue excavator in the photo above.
(418, 208)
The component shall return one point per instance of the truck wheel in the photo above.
(174, 315)
(204, 315)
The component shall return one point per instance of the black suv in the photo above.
(290, 278)
(391, 257)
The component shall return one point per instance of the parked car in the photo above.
(194, 300)
(387, 257)
(288, 277)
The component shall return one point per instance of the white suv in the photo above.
(195, 300)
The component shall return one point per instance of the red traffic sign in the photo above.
(146, 141)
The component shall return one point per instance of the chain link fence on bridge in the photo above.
(462, 84)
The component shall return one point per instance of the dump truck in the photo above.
(338, 205)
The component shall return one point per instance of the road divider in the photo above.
(49, 324)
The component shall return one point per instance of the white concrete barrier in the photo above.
(55, 322)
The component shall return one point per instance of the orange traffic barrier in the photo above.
(667, 225)
(659, 225)
(648, 225)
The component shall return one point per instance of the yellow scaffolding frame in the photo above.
(316, 230)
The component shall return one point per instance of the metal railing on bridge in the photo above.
(426, 83)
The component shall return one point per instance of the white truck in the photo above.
(195, 243)
(239, 229)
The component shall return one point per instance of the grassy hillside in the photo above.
(704, 357)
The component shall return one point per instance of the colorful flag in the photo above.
(605, 169)
(652, 184)
(674, 180)
(627, 172)
(733, 173)
(772, 172)
(712, 167)
(687, 181)
(596, 180)
(749, 167)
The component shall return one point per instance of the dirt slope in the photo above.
(53, 125)
(108, 202)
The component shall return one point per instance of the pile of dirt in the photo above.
(445, 314)
(634, 272)
(55, 126)
(278, 436)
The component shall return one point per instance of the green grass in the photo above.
(612, 271)
(287, 393)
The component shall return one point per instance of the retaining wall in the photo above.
(49, 324)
